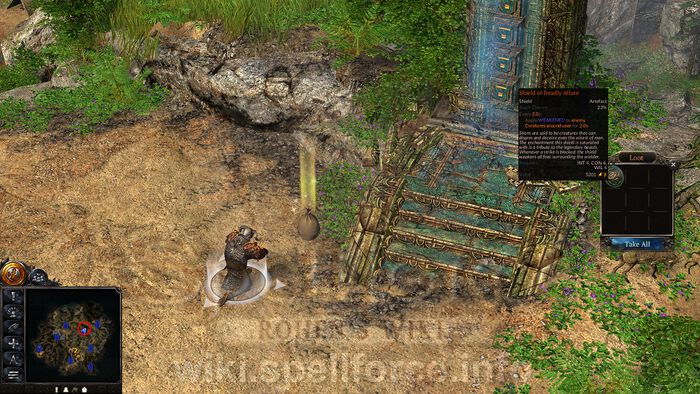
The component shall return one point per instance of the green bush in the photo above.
(79, 20)
(107, 89)
(429, 41)
(341, 189)
(425, 40)
(22, 72)
(364, 133)
(352, 32)
(590, 368)
(628, 111)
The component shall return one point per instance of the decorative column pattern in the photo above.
(380, 208)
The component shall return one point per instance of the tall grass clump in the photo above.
(131, 21)
(131, 26)
(245, 17)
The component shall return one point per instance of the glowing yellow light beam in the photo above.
(307, 176)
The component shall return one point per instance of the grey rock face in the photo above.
(610, 20)
(259, 91)
(631, 20)
(634, 21)
(682, 44)
(34, 34)
(647, 19)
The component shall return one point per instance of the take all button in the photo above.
(639, 243)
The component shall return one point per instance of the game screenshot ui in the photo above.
(350, 196)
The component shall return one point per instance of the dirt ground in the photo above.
(10, 18)
(142, 204)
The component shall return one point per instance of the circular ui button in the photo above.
(13, 273)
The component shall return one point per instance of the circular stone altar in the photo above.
(248, 289)
(260, 282)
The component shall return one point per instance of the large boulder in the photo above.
(271, 91)
(680, 37)
(263, 90)
(34, 34)
(25, 93)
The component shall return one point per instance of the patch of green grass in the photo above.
(238, 17)
(659, 352)
(12, 113)
(687, 233)
(568, 203)
(341, 189)
(265, 17)
(676, 286)
(364, 133)
(106, 90)
(429, 41)
(22, 72)
(510, 388)
(656, 352)
(590, 368)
